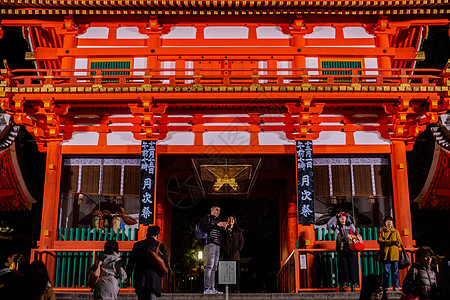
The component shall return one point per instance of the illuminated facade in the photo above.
(234, 78)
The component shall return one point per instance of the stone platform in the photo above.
(267, 296)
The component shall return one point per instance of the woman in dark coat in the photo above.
(147, 282)
(421, 280)
(347, 259)
(232, 244)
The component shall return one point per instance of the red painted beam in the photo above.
(7, 192)
(443, 192)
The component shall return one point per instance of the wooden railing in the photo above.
(222, 77)
(324, 275)
(367, 233)
(93, 234)
(71, 267)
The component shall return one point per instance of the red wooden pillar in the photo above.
(292, 224)
(402, 209)
(383, 33)
(160, 216)
(69, 43)
(50, 206)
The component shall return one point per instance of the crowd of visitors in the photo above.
(225, 239)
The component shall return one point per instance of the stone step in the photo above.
(243, 296)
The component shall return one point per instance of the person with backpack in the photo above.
(389, 240)
(112, 272)
(147, 280)
(212, 227)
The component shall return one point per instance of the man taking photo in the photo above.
(211, 225)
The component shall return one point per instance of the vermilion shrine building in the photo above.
(226, 88)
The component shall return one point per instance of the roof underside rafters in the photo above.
(119, 7)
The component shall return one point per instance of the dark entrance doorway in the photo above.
(257, 213)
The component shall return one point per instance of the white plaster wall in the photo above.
(262, 64)
(189, 64)
(225, 124)
(95, 33)
(121, 138)
(322, 32)
(284, 65)
(139, 63)
(226, 32)
(130, 33)
(120, 124)
(236, 138)
(82, 139)
(371, 63)
(270, 32)
(331, 138)
(81, 63)
(312, 63)
(181, 32)
(274, 138)
(226, 116)
(369, 138)
(356, 33)
(121, 116)
(167, 65)
(179, 138)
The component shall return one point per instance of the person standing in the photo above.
(36, 285)
(147, 282)
(389, 240)
(211, 225)
(420, 281)
(346, 258)
(112, 272)
(232, 244)
(10, 281)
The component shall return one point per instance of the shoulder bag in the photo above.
(157, 263)
(404, 260)
(355, 241)
(94, 274)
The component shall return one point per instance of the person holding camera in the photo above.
(389, 240)
(211, 225)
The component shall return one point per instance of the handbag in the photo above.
(355, 241)
(409, 297)
(94, 274)
(404, 260)
(157, 263)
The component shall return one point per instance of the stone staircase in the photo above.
(267, 296)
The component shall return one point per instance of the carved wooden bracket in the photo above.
(149, 120)
(299, 122)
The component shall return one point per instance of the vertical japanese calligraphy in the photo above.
(147, 194)
(305, 183)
